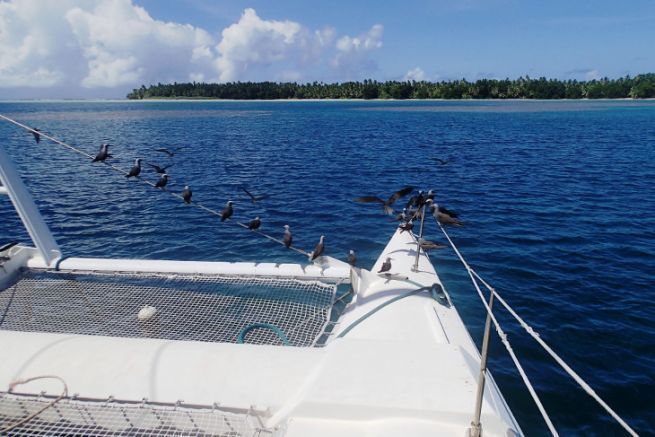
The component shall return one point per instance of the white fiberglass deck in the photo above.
(410, 367)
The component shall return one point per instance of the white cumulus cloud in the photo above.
(416, 74)
(87, 45)
(353, 56)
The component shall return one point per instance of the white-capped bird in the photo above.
(318, 250)
(186, 194)
(386, 266)
(227, 211)
(163, 180)
(135, 170)
(288, 238)
(254, 224)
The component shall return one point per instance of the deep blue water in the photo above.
(558, 198)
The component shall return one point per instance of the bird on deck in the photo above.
(135, 170)
(158, 169)
(288, 238)
(430, 245)
(227, 211)
(254, 224)
(253, 198)
(386, 204)
(163, 180)
(386, 266)
(444, 218)
(318, 250)
(186, 194)
(352, 259)
(406, 226)
(37, 136)
(402, 216)
(103, 153)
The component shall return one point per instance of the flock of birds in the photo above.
(413, 209)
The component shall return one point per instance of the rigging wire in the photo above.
(125, 173)
(577, 378)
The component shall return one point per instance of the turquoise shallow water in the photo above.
(558, 198)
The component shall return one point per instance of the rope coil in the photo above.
(125, 173)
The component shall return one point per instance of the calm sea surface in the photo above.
(558, 198)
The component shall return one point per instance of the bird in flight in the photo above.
(168, 151)
(158, 169)
(386, 204)
(441, 161)
(253, 198)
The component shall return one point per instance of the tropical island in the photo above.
(639, 87)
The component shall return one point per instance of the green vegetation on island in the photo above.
(638, 87)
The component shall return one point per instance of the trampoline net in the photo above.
(185, 307)
(69, 417)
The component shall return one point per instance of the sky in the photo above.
(105, 48)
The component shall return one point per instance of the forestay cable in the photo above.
(473, 274)
(125, 173)
(503, 338)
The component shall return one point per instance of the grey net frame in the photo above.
(92, 417)
(210, 308)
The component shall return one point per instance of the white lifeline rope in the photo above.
(559, 360)
(503, 338)
(537, 337)
(120, 170)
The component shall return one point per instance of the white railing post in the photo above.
(420, 236)
(476, 427)
(27, 210)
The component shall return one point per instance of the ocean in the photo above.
(558, 199)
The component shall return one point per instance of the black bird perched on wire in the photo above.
(37, 136)
(443, 218)
(318, 250)
(254, 224)
(135, 170)
(168, 152)
(386, 266)
(158, 169)
(416, 200)
(444, 210)
(406, 226)
(253, 198)
(352, 259)
(288, 238)
(163, 180)
(386, 204)
(186, 194)
(227, 211)
(103, 154)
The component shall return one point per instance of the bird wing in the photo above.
(262, 197)
(168, 166)
(156, 167)
(447, 211)
(166, 151)
(440, 161)
(369, 199)
(398, 194)
(248, 193)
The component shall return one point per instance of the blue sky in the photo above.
(104, 48)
